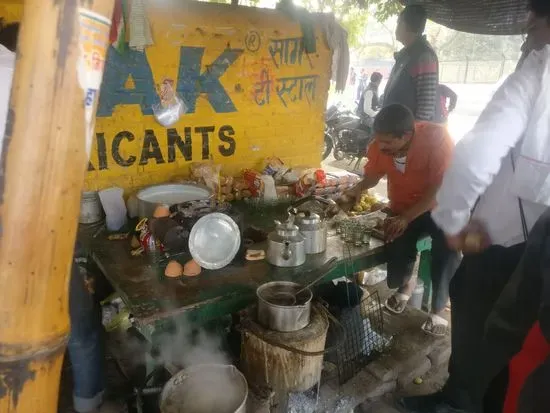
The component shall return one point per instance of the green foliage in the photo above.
(384, 9)
(355, 23)
(354, 14)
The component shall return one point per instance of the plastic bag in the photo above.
(308, 181)
(207, 174)
(114, 207)
(171, 106)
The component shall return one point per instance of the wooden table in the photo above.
(152, 297)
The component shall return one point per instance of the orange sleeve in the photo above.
(374, 167)
(440, 159)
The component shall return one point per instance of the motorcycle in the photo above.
(346, 134)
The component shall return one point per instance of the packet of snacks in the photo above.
(309, 180)
(254, 182)
(274, 167)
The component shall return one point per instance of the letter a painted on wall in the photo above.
(113, 90)
(192, 81)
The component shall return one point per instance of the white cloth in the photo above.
(140, 30)
(7, 64)
(367, 103)
(482, 160)
(337, 40)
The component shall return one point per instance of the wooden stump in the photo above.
(268, 366)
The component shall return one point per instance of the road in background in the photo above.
(472, 98)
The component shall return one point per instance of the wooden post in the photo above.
(41, 176)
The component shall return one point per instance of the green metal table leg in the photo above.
(424, 273)
(424, 247)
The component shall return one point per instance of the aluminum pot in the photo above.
(169, 194)
(277, 314)
(205, 388)
(90, 208)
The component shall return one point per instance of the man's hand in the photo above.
(349, 198)
(394, 227)
(472, 240)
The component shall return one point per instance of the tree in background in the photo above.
(353, 15)
(371, 31)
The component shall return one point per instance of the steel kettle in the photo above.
(285, 245)
(314, 231)
(311, 225)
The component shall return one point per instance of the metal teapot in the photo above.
(314, 231)
(311, 225)
(285, 245)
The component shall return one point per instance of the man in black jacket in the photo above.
(415, 76)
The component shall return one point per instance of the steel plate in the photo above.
(214, 241)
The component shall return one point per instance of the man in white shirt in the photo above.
(481, 178)
(370, 102)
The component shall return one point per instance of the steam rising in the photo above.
(205, 390)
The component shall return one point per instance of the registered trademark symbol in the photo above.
(252, 41)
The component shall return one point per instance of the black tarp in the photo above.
(503, 17)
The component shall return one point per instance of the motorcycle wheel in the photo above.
(327, 147)
(338, 154)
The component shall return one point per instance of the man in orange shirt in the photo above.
(413, 157)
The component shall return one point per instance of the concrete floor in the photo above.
(432, 382)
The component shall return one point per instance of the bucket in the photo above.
(417, 295)
(90, 208)
(205, 388)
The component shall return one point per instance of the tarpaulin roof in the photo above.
(477, 16)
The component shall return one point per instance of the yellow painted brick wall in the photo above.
(11, 10)
(257, 117)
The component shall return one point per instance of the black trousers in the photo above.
(401, 256)
(474, 290)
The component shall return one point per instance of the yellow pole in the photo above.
(41, 175)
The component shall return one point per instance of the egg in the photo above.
(191, 269)
(161, 211)
(174, 269)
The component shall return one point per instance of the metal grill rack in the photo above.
(361, 318)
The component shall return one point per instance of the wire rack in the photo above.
(362, 320)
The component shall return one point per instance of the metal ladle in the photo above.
(287, 298)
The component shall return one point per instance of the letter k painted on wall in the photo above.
(191, 82)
